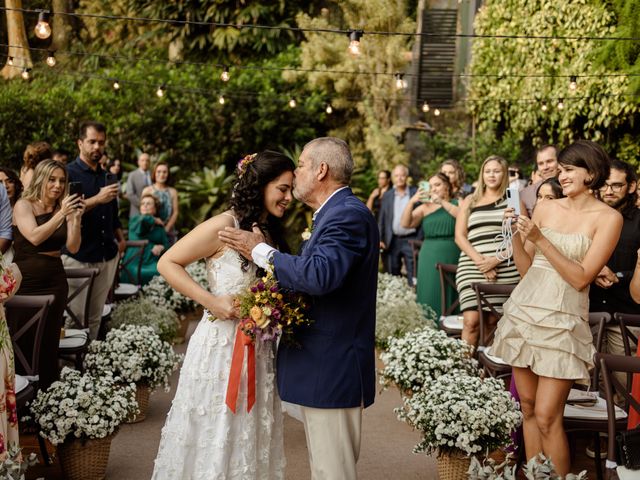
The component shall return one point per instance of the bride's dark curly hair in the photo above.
(247, 199)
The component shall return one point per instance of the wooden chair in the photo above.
(492, 365)
(449, 321)
(76, 342)
(629, 337)
(124, 290)
(27, 385)
(416, 245)
(608, 365)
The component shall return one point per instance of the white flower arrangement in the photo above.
(539, 467)
(83, 406)
(458, 412)
(412, 361)
(397, 310)
(164, 295)
(143, 311)
(135, 353)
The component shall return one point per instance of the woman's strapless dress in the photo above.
(545, 326)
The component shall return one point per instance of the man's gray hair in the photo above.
(335, 153)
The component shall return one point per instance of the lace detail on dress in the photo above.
(202, 438)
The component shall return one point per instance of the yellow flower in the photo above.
(256, 313)
(263, 321)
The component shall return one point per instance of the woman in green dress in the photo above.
(437, 214)
(146, 226)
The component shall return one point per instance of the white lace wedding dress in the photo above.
(202, 438)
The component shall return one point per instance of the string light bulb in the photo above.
(26, 73)
(425, 107)
(436, 112)
(544, 106)
(560, 104)
(116, 85)
(329, 109)
(43, 29)
(221, 100)
(224, 76)
(573, 83)
(401, 84)
(51, 59)
(160, 91)
(293, 103)
(354, 42)
(10, 61)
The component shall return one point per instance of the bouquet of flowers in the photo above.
(83, 406)
(459, 412)
(268, 311)
(9, 281)
(163, 295)
(397, 310)
(417, 358)
(14, 465)
(143, 311)
(135, 353)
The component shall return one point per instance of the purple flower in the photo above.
(274, 288)
(254, 290)
(275, 313)
(260, 286)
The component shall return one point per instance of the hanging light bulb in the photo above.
(436, 112)
(560, 104)
(224, 76)
(293, 103)
(160, 91)
(573, 84)
(26, 75)
(354, 41)
(51, 59)
(401, 84)
(221, 100)
(425, 107)
(10, 61)
(329, 109)
(544, 106)
(116, 85)
(43, 29)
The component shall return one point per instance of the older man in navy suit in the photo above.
(331, 375)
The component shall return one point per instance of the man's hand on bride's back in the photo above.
(241, 240)
(223, 307)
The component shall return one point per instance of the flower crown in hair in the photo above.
(244, 164)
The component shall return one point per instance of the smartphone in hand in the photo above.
(425, 186)
(513, 199)
(111, 179)
(75, 188)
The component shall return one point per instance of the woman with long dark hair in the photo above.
(202, 436)
(544, 333)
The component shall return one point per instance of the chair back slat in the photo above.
(138, 247)
(14, 308)
(89, 275)
(627, 321)
(447, 273)
(483, 290)
(598, 321)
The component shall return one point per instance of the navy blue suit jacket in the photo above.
(334, 365)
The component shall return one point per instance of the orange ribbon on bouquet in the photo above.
(235, 374)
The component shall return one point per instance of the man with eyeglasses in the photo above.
(610, 291)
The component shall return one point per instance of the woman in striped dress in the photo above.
(478, 224)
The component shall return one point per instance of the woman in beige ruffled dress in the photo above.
(544, 333)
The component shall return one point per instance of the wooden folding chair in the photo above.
(416, 245)
(627, 321)
(629, 365)
(27, 384)
(493, 365)
(124, 290)
(76, 342)
(449, 322)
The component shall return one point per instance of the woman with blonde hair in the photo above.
(45, 220)
(478, 224)
(34, 154)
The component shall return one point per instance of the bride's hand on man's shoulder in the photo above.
(224, 307)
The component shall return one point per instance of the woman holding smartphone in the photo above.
(544, 333)
(436, 215)
(45, 220)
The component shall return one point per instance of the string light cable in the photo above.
(241, 26)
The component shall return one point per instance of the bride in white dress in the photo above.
(202, 438)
